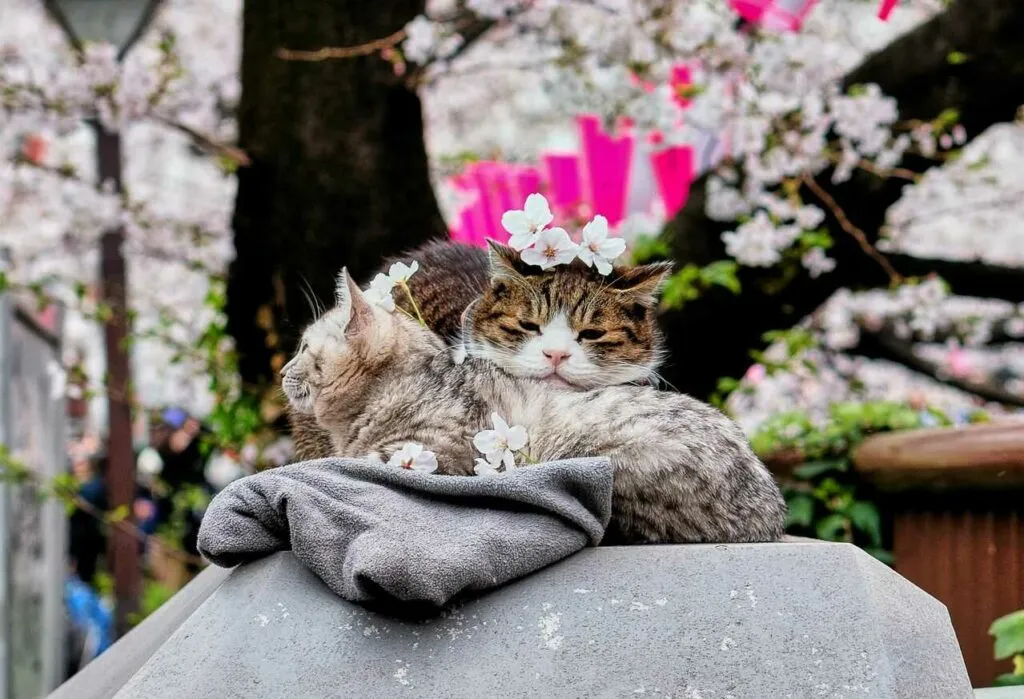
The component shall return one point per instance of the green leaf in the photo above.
(118, 514)
(1009, 680)
(811, 469)
(722, 273)
(650, 247)
(865, 517)
(955, 58)
(881, 555)
(801, 511)
(727, 384)
(1009, 633)
(681, 287)
(831, 527)
(816, 239)
(947, 118)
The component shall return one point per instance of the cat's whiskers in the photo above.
(315, 307)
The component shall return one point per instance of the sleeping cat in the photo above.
(578, 326)
(684, 472)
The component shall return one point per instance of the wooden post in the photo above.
(957, 500)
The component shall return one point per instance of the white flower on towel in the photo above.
(525, 224)
(499, 446)
(400, 272)
(414, 457)
(485, 468)
(379, 292)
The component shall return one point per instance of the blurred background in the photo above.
(840, 185)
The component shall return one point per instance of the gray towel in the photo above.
(376, 532)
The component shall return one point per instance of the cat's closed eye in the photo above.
(528, 326)
(591, 334)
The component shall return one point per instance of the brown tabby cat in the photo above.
(570, 325)
(684, 472)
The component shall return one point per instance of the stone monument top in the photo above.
(700, 621)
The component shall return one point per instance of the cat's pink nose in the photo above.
(556, 356)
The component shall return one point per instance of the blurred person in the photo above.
(86, 538)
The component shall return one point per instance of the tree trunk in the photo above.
(712, 336)
(339, 169)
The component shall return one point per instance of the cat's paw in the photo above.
(375, 457)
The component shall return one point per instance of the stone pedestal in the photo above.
(703, 622)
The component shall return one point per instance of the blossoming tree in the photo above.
(803, 146)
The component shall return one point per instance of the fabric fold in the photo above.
(373, 532)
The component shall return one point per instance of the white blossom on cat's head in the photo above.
(553, 247)
(414, 457)
(379, 292)
(525, 225)
(400, 272)
(597, 248)
(499, 446)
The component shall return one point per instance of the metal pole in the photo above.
(123, 549)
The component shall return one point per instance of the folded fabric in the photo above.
(376, 532)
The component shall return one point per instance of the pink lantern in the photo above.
(774, 14)
(563, 174)
(886, 9)
(494, 184)
(528, 180)
(606, 169)
(673, 172)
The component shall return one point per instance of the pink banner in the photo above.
(673, 171)
(565, 181)
(886, 9)
(606, 169)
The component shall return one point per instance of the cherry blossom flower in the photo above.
(414, 457)
(817, 263)
(809, 217)
(400, 272)
(422, 39)
(499, 446)
(553, 247)
(526, 224)
(379, 292)
(483, 467)
(597, 248)
(754, 243)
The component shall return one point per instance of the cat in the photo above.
(684, 472)
(600, 330)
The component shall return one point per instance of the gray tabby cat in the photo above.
(684, 472)
(569, 324)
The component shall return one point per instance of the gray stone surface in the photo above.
(703, 622)
(105, 675)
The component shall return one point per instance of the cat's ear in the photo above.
(506, 262)
(349, 296)
(642, 283)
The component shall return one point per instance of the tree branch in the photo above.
(978, 279)
(883, 345)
